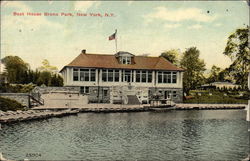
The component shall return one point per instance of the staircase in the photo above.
(133, 100)
(35, 99)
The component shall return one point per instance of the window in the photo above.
(116, 75)
(174, 94)
(125, 59)
(75, 74)
(174, 77)
(84, 74)
(105, 92)
(92, 75)
(104, 75)
(81, 75)
(159, 77)
(143, 76)
(128, 60)
(166, 77)
(81, 90)
(84, 90)
(110, 75)
(138, 76)
(127, 76)
(167, 94)
(149, 76)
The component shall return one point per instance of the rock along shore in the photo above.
(48, 112)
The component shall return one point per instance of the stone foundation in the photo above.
(162, 92)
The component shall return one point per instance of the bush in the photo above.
(7, 104)
(16, 88)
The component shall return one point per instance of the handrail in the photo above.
(38, 100)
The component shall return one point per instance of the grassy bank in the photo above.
(228, 97)
(9, 105)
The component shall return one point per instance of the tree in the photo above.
(214, 74)
(47, 67)
(171, 55)
(44, 78)
(195, 67)
(56, 80)
(48, 75)
(18, 71)
(15, 69)
(238, 50)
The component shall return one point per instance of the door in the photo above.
(167, 94)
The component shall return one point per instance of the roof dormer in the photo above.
(124, 57)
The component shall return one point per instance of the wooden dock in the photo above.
(45, 112)
(209, 106)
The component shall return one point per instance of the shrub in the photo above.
(7, 104)
(16, 88)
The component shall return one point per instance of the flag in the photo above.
(113, 36)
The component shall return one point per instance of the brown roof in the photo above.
(110, 61)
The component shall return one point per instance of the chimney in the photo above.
(84, 51)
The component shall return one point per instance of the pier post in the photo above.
(248, 107)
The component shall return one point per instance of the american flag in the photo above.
(113, 36)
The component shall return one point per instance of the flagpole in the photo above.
(116, 40)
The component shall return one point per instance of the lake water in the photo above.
(172, 135)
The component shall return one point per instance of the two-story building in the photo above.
(123, 76)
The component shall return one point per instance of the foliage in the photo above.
(214, 75)
(171, 56)
(194, 69)
(238, 50)
(56, 80)
(44, 78)
(218, 97)
(47, 67)
(17, 72)
(15, 69)
(16, 88)
(7, 104)
(225, 76)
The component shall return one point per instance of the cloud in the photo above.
(218, 24)
(172, 25)
(193, 14)
(197, 26)
(17, 5)
(85, 5)
(27, 22)
(130, 2)
(24, 22)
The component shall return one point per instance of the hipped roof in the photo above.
(85, 60)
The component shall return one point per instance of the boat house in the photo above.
(124, 78)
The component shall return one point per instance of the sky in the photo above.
(143, 27)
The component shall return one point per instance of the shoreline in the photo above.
(39, 113)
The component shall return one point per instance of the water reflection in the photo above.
(173, 135)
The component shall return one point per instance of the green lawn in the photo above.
(228, 97)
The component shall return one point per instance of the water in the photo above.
(172, 135)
